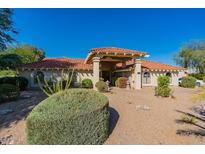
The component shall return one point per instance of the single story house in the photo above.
(107, 63)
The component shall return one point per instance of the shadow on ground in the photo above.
(189, 132)
(114, 117)
(20, 108)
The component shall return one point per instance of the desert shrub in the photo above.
(74, 116)
(188, 82)
(87, 83)
(162, 91)
(8, 92)
(101, 86)
(188, 119)
(121, 82)
(198, 76)
(20, 82)
(162, 88)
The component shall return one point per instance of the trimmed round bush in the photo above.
(102, 86)
(20, 82)
(188, 82)
(74, 116)
(8, 92)
(121, 82)
(87, 83)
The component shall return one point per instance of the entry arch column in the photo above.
(138, 74)
(96, 70)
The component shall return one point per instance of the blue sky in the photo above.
(72, 32)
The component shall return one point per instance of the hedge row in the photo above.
(74, 116)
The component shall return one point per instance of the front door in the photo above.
(106, 75)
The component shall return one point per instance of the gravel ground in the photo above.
(12, 123)
(137, 117)
(142, 118)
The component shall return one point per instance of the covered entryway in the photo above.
(105, 61)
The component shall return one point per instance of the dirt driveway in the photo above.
(143, 118)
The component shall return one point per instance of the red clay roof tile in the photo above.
(153, 65)
(49, 63)
(78, 64)
(117, 50)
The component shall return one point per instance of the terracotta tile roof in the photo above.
(113, 50)
(49, 63)
(78, 64)
(117, 50)
(156, 66)
(152, 65)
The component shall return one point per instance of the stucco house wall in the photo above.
(78, 76)
(175, 75)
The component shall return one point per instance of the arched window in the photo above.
(40, 75)
(146, 79)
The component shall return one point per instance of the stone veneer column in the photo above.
(96, 70)
(138, 74)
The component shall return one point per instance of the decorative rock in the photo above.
(200, 109)
(144, 107)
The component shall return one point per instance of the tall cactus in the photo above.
(56, 86)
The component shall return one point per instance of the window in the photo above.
(40, 75)
(146, 79)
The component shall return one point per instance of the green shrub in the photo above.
(102, 86)
(87, 83)
(188, 119)
(7, 73)
(162, 91)
(8, 92)
(188, 82)
(162, 88)
(74, 116)
(121, 82)
(20, 82)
